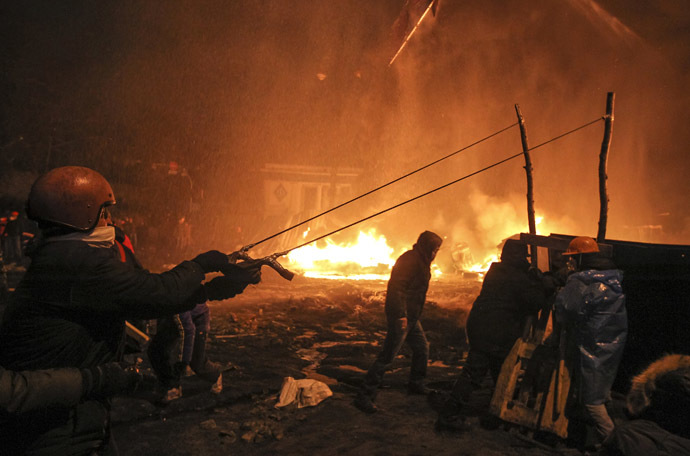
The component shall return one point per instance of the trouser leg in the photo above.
(201, 365)
(164, 350)
(420, 353)
(395, 338)
(188, 338)
(599, 417)
(471, 377)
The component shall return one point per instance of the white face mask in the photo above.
(101, 237)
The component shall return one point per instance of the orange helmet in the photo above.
(582, 244)
(70, 197)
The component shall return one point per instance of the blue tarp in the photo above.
(592, 306)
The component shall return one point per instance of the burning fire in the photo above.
(468, 263)
(369, 258)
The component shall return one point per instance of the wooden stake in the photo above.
(603, 161)
(530, 186)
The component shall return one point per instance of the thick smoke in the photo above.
(225, 87)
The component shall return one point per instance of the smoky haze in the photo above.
(222, 88)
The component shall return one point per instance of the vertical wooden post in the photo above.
(603, 161)
(530, 185)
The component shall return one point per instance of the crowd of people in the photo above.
(62, 335)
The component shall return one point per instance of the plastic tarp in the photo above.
(306, 392)
(592, 305)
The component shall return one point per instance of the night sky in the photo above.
(224, 87)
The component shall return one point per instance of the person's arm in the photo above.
(108, 285)
(30, 390)
(568, 304)
(397, 292)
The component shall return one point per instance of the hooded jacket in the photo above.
(592, 303)
(409, 281)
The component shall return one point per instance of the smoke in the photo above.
(461, 77)
(225, 87)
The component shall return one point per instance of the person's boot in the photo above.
(365, 404)
(217, 387)
(450, 418)
(419, 389)
(171, 395)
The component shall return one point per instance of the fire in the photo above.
(481, 267)
(369, 258)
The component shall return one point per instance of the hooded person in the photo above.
(69, 309)
(510, 293)
(405, 297)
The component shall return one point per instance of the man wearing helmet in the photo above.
(591, 305)
(69, 310)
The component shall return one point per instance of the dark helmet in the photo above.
(70, 197)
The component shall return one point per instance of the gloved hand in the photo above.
(211, 261)
(535, 273)
(225, 287)
(241, 273)
(109, 380)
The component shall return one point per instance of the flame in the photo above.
(481, 267)
(369, 258)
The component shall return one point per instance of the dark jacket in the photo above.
(409, 281)
(644, 438)
(69, 311)
(509, 294)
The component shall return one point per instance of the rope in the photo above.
(448, 184)
(383, 186)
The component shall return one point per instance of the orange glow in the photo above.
(368, 258)
(371, 258)
(510, 229)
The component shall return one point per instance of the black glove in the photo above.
(108, 380)
(211, 261)
(225, 287)
(240, 272)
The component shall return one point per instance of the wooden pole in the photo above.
(603, 161)
(530, 185)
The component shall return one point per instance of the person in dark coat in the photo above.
(510, 293)
(659, 403)
(591, 306)
(69, 310)
(405, 297)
